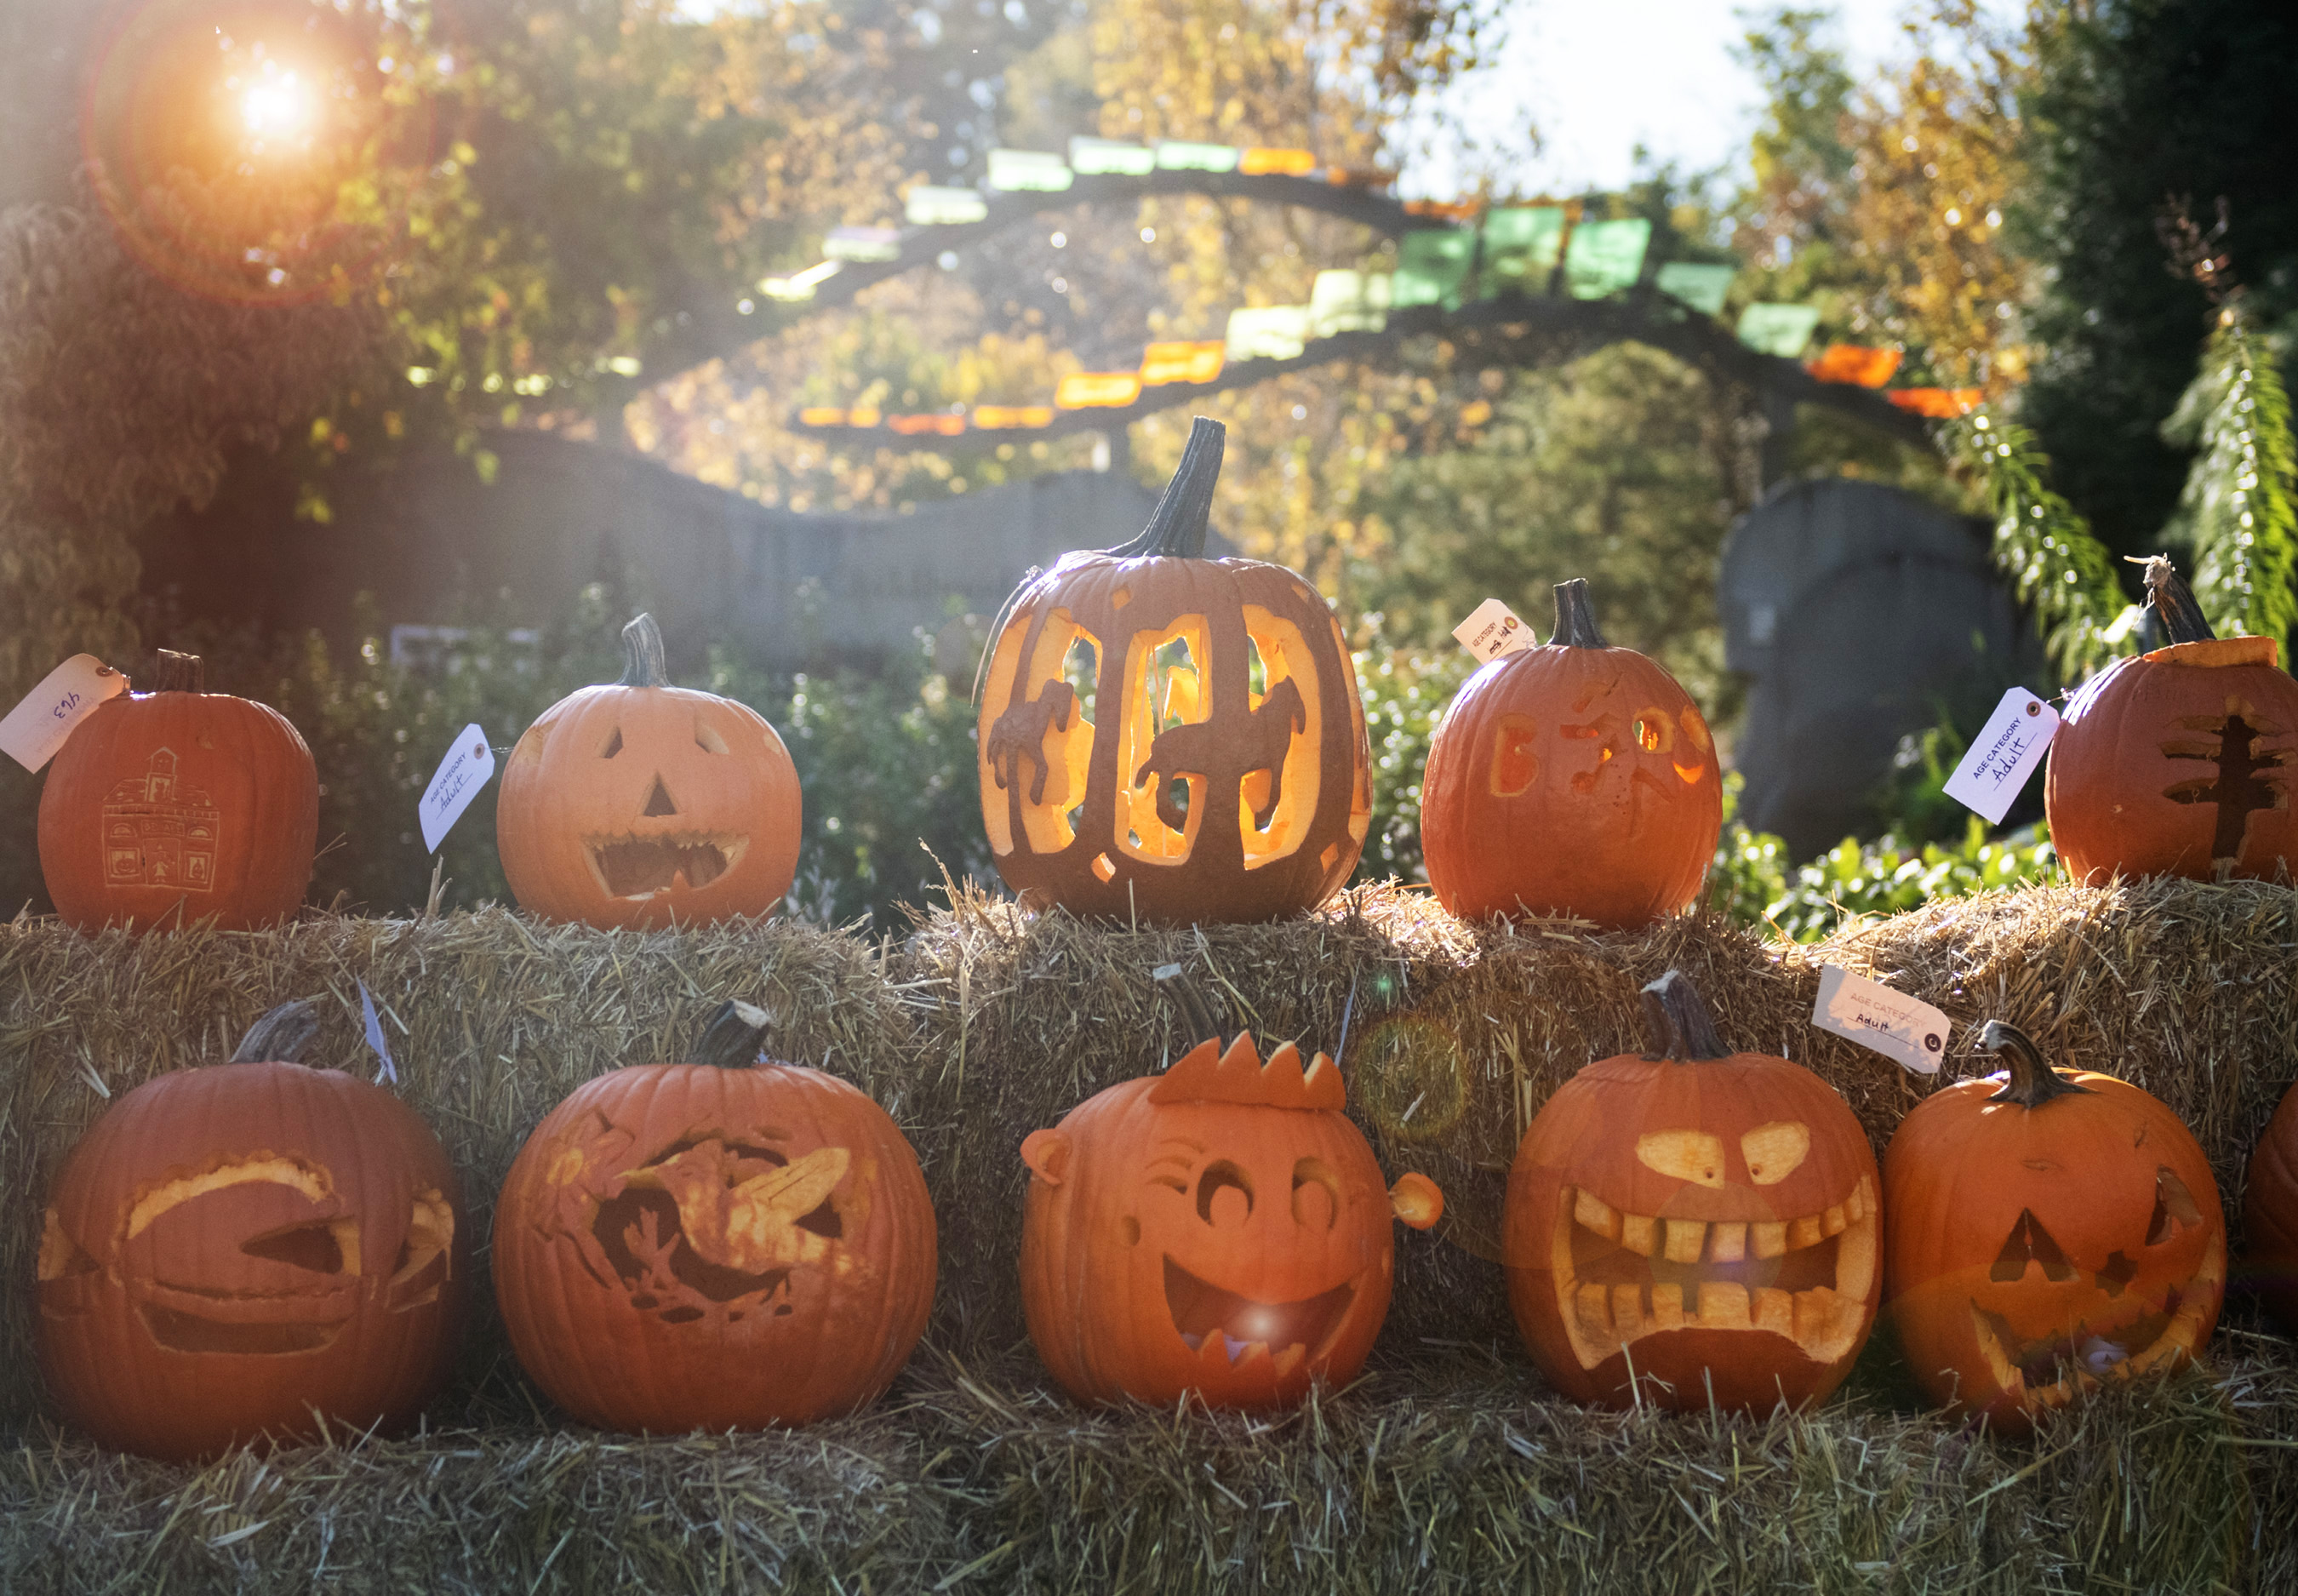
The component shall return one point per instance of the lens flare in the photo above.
(277, 108)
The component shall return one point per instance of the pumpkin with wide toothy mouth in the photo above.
(1219, 1229)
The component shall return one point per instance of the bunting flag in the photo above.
(1855, 364)
(1431, 267)
(1342, 177)
(1466, 210)
(929, 206)
(1268, 333)
(1276, 164)
(1349, 302)
(863, 244)
(1940, 404)
(1110, 157)
(1089, 389)
(1521, 245)
(1198, 362)
(942, 424)
(1604, 258)
(802, 286)
(994, 417)
(1781, 330)
(1177, 155)
(1699, 286)
(1026, 171)
(822, 416)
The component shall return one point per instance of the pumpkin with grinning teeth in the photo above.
(642, 805)
(1219, 1229)
(1693, 1226)
(2047, 1232)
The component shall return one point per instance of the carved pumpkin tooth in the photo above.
(1727, 1241)
(1289, 1360)
(1685, 1238)
(1855, 1258)
(1803, 1233)
(1832, 1221)
(1595, 1214)
(1628, 1311)
(1855, 1206)
(1815, 1315)
(1769, 1237)
(1248, 1355)
(1639, 1234)
(1590, 1303)
(1214, 1352)
(1667, 1306)
(1774, 1311)
(1723, 1305)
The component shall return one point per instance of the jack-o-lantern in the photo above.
(640, 805)
(176, 805)
(233, 1248)
(2177, 762)
(1219, 1229)
(1693, 1226)
(2046, 1232)
(1576, 778)
(718, 1243)
(1169, 738)
(2269, 1213)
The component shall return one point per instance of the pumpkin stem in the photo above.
(178, 673)
(1575, 621)
(642, 664)
(734, 1036)
(1178, 524)
(281, 1036)
(1677, 1025)
(2173, 600)
(2033, 1082)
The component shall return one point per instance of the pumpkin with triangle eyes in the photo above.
(641, 805)
(2047, 1232)
(233, 1248)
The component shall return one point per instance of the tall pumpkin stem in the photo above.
(1177, 525)
(2033, 1082)
(281, 1036)
(734, 1036)
(2174, 602)
(1677, 1025)
(1575, 617)
(642, 664)
(178, 673)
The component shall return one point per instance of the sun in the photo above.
(276, 108)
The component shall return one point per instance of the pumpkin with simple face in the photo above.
(1219, 1229)
(2177, 762)
(2047, 1231)
(642, 805)
(1169, 738)
(1694, 1225)
(232, 1247)
(1573, 778)
(715, 1244)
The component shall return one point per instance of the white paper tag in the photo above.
(375, 1039)
(1905, 1030)
(2003, 755)
(461, 773)
(1493, 629)
(36, 728)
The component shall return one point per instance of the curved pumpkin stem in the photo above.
(281, 1036)
(1177, 525)
(734, 1036)
(2033, 1082)
(1576, 618)
(178, 673)
(2174, 602)
(642, 665)
(1677, 1025)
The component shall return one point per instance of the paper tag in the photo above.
(389, 1072)
(2005, 752)
(36, 728)
(1904, 1029)
(461, 773)
(1493, 629)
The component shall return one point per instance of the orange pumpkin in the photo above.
(1219, 1229)
(2046, 1231)
(2177, 762)
(641, 805)
(1693, 1226)
(1573, 778)
(179, 805)
(2269, 1212)
(232, 1247)
(1129, 765)
(715, 1244)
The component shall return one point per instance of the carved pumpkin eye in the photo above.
(707, 739)
(1316, 1193)
(1220, 1176)
(1693, 1156)
(1773, 1152)
(2174, 1208)
(613, 745)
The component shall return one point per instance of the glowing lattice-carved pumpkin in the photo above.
(1694, 1224)
(715, 1244)
(1183, 790)
(2046, 1231)
(1219, 1229)
(642, 805)
(2177, 762)
(1576, 778)
(232, 1247)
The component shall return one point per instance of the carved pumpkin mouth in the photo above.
(633, 866)
(1231, 1331)
(1620, 1276)
(182, 1332)
(2048, 1370)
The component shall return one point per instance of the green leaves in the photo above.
(2236, 514)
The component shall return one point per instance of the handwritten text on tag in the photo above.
(1493, 629)
(2003, 755)
(461, 773)
(1903, 1029)
(36, 728)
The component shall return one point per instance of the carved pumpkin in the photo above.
(2177, 762)
(1576, 778)
(1221, 1229)
(1169, 738)
(641, 805)
(2269, 1212)
(179, 805)
(2046, 1231)
(715, 1244)
(1696, 1225)
(231, 1247)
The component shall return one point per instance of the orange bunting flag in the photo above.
(1182, 362)
(1287, 164)
(1084, 390)
(822, 416)
(1942, 404)
(991, 416)
(1448, 209)
(945, 425)
(1343, 176)
(1855, 364)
